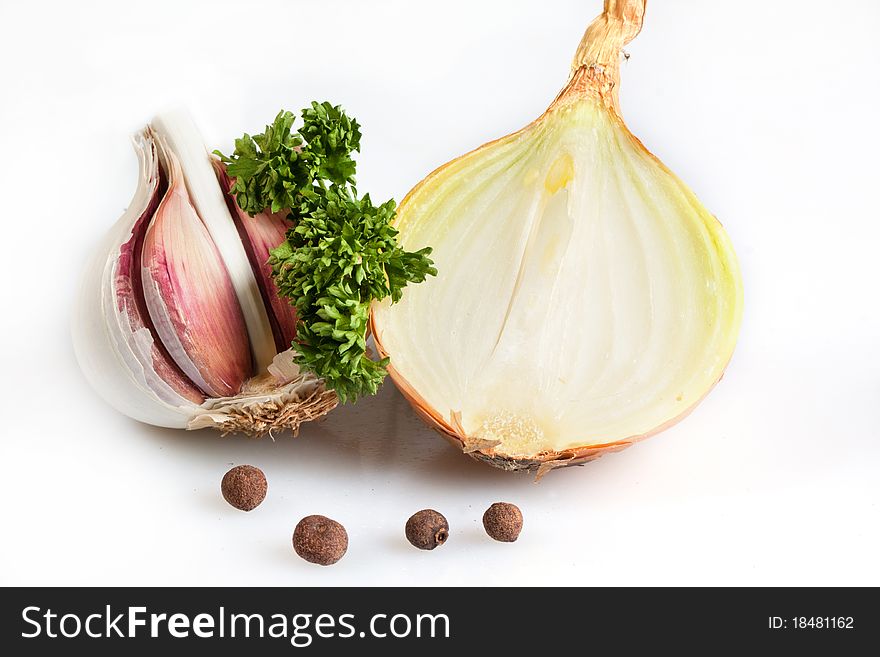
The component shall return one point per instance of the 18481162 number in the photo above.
(811, 623)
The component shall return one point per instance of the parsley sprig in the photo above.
(341, 252)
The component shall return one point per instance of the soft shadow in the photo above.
(397, 544)
(380, 434)
(378, 441)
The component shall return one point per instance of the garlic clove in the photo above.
(189, 294)
(112, 333)
(182, 137)
(132, 306)
(259, 234)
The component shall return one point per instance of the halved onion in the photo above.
(585, 298)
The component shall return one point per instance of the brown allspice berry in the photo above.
(320, 540)
(427, 529)
(244, 487)
(503, 522)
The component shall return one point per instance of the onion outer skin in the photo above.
(594, 76)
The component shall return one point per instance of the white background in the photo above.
(767, 110)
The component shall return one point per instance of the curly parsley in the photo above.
(341, 251)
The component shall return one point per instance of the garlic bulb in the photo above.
(178, 323)
(585, 298)
(259, 234)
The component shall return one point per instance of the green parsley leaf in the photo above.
(341, 252)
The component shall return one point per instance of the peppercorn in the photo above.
(244, 487)
(320, 540)
(427, 529)
(503, 521)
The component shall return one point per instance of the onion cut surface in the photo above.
(585, 298)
